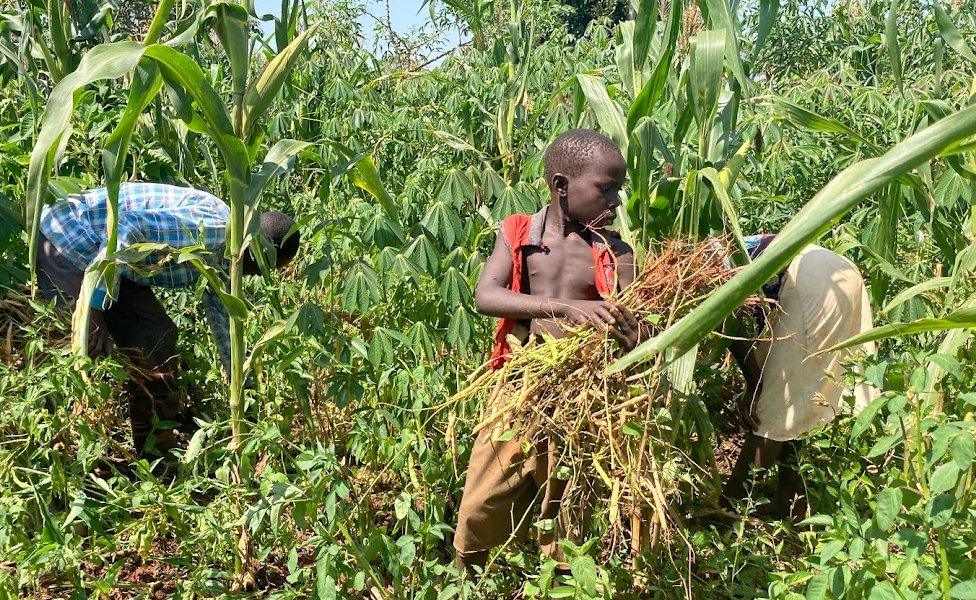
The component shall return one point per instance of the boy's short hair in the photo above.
(570, 152)
(275, 225)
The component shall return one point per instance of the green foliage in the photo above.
(733, 115)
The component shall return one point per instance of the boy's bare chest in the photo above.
(564, 271)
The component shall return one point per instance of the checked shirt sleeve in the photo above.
(216, 312)
(102, 297)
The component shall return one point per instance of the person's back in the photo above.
(147, 213)
(73, 240)
(557, 264)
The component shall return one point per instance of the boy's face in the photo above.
(591, 198)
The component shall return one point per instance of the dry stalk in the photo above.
(617, 433)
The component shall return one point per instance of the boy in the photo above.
(560, 263)
(790, 389)
(73, 236)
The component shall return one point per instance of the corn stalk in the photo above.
(233, 133)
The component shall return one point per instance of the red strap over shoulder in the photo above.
(515, 230)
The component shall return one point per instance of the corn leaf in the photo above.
(891, 42)
(608, 113)
(230, 23)
(802, 117)
(721, 18)
(159, 21)
(707, 50)
(964, 318)
(366, 177)
(276, 162)
(107, 61)
(644, 25)
(936, 283)
(653, 89)
(263, 89)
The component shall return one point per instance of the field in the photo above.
(329, 462)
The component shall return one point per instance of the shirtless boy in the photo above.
(560, 263)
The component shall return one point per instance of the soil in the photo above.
(727, 452)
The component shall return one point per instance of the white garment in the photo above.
(822, 302)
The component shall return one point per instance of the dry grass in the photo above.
(625, 438)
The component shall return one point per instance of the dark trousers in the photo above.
(141, 328)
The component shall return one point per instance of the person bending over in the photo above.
(73, 237)
(790, 388)
(560, 263)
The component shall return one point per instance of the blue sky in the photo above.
(404, 16)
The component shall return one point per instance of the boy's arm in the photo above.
(494, 298)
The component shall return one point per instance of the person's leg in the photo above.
(790, 501)
(757, 452)
(498, 494)
(57, 279)
(140, 327)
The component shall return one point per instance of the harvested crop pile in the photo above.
(629, 442)
(21, 322)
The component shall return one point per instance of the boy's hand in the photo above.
(605, 316)
(99, 342)
(627, 330)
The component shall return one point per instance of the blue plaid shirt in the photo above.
(148, 213)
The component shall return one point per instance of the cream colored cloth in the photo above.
(822, 302)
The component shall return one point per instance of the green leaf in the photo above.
(645, 22)
(944, 478)
(963, 450)
(768, 10)
(361, 289)
(829, 550)
(817, 587)
(584, 572)
(654, 87)
(950, 34)
(962, 318)
(883, 590)
(380, 348)
(456, 189)
(459, 330)
(891, 42)
(443, 222)
(964, 590)
(231, 25)
(887, 508)
(424, 255)
(839, 196)
(263, 88)
(885, 444)
(721, 17)
(806, 119)
(366, 177)
(325, 585)
(608, 113)
(276, 332)
(454, 289)
(930, 285)
(867, 416)
(278, 161)
(705, 79)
